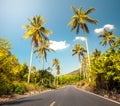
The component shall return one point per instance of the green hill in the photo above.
(74, 72)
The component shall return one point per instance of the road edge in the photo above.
(97, 95)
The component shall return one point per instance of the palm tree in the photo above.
(35, 30)
(56, 63)
(79, 51)
(42, 51)
(58, 69)
(79, 22)
(96, 53)
(108, 38)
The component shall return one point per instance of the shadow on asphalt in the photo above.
(19, 101)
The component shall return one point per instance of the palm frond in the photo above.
(78, 29)
(74, 10)
(93, 21)
(74, 53)
(89, 11)
(86, 28)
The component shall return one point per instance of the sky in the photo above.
(57, 13)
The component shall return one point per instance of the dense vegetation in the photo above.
(13, 75)
(100, 70)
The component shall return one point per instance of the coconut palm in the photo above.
(55, 62)
(78, 22)
(96, 53)
(58, 69)
(42, 51)
(35, 30)
(79, 51)
(108, 38)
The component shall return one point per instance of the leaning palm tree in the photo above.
(79, 51)
(42, 51)
(79, 22)
(35, 30)
(108, 38)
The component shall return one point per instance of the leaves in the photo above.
(79, 19)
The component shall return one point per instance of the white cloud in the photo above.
(55, 45)
(107, 26)
(79, 38)
(98, 30)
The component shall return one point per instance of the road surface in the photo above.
(67, 96)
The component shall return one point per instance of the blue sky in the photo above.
(14, 14)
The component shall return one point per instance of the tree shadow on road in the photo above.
(19, 101)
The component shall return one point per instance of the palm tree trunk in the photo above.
(88, 54)
(30, 64)
(80, 74)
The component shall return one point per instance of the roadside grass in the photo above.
(23, 89)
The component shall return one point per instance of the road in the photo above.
(67, 96)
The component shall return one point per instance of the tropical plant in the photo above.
(79, 51)
(108, 38)
(37, 32)
(42, 51)
(56, 63)
(79, 22)
(96, 53)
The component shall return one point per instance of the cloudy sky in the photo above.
(14, 14)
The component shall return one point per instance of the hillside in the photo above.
(74, 72)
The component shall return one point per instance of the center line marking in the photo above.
(52, 104)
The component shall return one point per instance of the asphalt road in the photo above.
(67, 96)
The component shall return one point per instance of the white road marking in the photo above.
(53, 103)
(98, 95)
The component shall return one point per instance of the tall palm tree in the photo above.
(108, 38)
(79, 51)
(42, 51)
(37, 31)
(78, 22)
(56, 64)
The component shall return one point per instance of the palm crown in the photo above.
(108, 37)
(79, 19)
(79, 50)
(96, 53)
(42, 50)
(36, 30)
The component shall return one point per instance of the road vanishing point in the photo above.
(67, 96)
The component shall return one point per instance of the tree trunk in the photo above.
(88, 54)
(80, 74)
(30, 64)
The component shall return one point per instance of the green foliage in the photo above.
(68, 79)
(106, 69)
(19, 88)
(6, 86)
